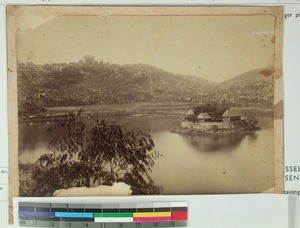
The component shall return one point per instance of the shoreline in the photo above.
(55, 114)
(186, 131)
(45, 119)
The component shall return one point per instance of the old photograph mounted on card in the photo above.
(144, 100)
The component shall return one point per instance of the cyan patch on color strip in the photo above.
(73, 215)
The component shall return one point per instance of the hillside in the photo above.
(91, 82)
(253, 88)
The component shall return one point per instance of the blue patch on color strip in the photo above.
(73, 215)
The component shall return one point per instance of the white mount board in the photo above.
(207, 211)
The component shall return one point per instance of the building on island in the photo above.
(227, 117)
(204, 117)
(189, 115)
(190, 112)
(205, 122)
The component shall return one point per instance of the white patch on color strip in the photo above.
(114, 219)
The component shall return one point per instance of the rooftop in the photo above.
(228, 114)
(203, 116)
(189, 113)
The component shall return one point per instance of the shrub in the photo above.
(99, 156)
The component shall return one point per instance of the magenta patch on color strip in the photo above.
(153, 219)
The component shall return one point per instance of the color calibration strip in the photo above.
(161, 214)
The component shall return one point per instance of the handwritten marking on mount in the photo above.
(291, 15)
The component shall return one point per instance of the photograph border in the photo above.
(16, 21)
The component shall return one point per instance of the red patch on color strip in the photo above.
(179, 215)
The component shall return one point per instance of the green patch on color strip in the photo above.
(113, 215)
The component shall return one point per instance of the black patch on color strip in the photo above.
(145, 209)
(94, 210)
(127, 209)
(110, 209)
(59, 209)
(178, 208)
(76, 210)
(162, 209)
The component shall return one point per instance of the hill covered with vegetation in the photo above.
(254, 88)
(90, 82)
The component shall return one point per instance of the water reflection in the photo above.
(191, 164)
(213, 143)
(34, 138)
(148, 123)
(252, 136)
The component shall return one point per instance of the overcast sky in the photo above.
(213, 47)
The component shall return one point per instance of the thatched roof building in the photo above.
(228, 117)
(190, 112)
(204, 116)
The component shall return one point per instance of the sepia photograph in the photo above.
(145, 102)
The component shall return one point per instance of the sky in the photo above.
(216, 48)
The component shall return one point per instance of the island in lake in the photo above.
(207, 119)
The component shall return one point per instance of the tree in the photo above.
(248, 124)
(214, 128)
(251, 123)
(102, 155)
(212, 110)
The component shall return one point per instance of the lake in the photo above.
(191, 164)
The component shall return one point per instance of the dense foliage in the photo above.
(31, 107)
(94, 82)
(250, 89)
(102, 155)
(89, 81)
(248, 124)
(211, 109)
